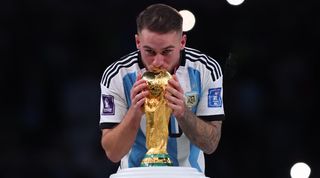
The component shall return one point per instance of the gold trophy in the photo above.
(157, 118)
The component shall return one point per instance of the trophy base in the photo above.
(158, 172)
(154, 160)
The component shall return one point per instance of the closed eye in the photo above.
(150, 52)
(166, 52)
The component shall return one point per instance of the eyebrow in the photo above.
(166, 48)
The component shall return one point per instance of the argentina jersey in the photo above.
(201, 79)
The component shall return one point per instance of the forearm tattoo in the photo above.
(205, 135)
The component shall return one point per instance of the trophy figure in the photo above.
(157, 118)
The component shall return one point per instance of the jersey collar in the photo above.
(182, 57)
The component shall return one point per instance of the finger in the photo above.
(178, 110)
(139, 75)
(140, 84)
(138, 87)
(138, 79)
(174, 92)
(174, 99)
(175, 83)
(140, 98)
(174, 107)
(141, 102)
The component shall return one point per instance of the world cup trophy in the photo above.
(157, 118)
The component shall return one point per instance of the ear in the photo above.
(183, 41)
(137, 39)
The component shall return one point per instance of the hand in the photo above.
(175, 97)
(138, 95)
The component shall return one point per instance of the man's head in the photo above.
(159, 18)
(159, 37)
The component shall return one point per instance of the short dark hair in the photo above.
(159, 18)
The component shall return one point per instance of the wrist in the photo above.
(182, 114)
(135, 117)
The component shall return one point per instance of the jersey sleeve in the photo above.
(112, 105)
(210, 104)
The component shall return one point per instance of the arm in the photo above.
(117, 141)
(206, 135)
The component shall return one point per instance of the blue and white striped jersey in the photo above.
(199, 75)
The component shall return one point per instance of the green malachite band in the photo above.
(155, 164)
(151, 160)
(161, 156)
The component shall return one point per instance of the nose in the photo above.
(158, 61)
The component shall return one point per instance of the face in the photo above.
(160, 51)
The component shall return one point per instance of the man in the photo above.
(194, 94)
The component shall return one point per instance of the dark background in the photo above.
(53, 54)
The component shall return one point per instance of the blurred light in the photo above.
(300, 170)
(188, 20)
(235, 2)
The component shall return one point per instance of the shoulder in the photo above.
(124, 63)
(203, 62)
(197, 55)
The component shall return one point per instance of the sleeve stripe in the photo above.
(220, 117)
(208, 59)
(213, 69)
(216, 64)
(124, 59)
(211, 64)
(108, 125)
(113, 69)
(108, 69)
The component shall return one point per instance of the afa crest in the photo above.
(191, 99)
